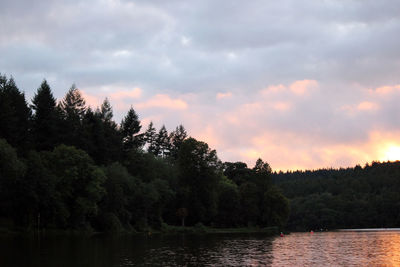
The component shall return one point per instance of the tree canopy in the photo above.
(70, 166)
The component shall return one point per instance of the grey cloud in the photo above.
(240, 47)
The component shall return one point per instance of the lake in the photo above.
(360, 248)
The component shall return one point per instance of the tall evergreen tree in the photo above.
(112, 135)
(103, 139)
(15, 115)
(106, 111)
(176, 138)
(130, 128)
(73, 108)
(150, 136)
(162, 145)
(93, 135)
(46, 118)
(73, 104)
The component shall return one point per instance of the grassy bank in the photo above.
(164, 229)
(201, 229)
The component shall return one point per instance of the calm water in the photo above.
(297, 249)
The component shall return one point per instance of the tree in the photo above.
(73, 105)
(262, 175)
(15, 115)
(120, 187)
(150, 137)
(176, 138)
(238, 172)
(79, 185)
(36, 199)
(130, 128)
(112, 136)
(200, 171)
(275, 209)
(249, 202)
(93, 134)
(46, 119)
(106, 112)
(11, 170)
(162, 143)
(228, 203)
(165, 195)
(73, 109)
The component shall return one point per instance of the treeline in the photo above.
(64, 165)
(359, 197)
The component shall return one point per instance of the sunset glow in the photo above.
(392, 153)
(311, 85)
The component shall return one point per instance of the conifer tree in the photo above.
(150, 136)
(176, 138)
(112, 136)
(162, 143)
(73, 109)
(106, 111)
(130, 128)
(46, 118)
(73, 105)
(15, 115)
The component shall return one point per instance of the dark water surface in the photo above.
(297, 249)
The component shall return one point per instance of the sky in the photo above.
(302, 84)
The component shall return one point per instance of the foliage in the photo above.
(68, 166)
(343, 198)
(130, 128)
(46, 119)
(15, 115)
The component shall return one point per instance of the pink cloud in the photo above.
(355, 109)
(300, 87)
(162, 101)
(124, 94)
(281, 106)
(385, 90)
(120, 97)
(303, 87)
(224, 95)
(367, 106)
(92, 100)
(287, 131)
(273, 89)
(209, 135)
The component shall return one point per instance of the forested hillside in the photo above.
(65, 165)
(359, 197)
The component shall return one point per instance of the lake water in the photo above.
(297, 249)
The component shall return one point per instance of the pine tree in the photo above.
(73, 104)
(113, 145)
(15, 115)
(46, 118)
(150, 137)
(130, 128)
(177, 137)
(73, 109)
(162, 143)
(106, 111)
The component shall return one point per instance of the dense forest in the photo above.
(64, 165)
(359, 197)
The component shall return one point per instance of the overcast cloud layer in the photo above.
(302, 84)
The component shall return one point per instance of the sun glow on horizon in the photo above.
(392, 153)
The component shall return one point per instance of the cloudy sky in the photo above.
(300, 83)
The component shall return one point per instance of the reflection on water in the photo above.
(338, 249)
(297, 249)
